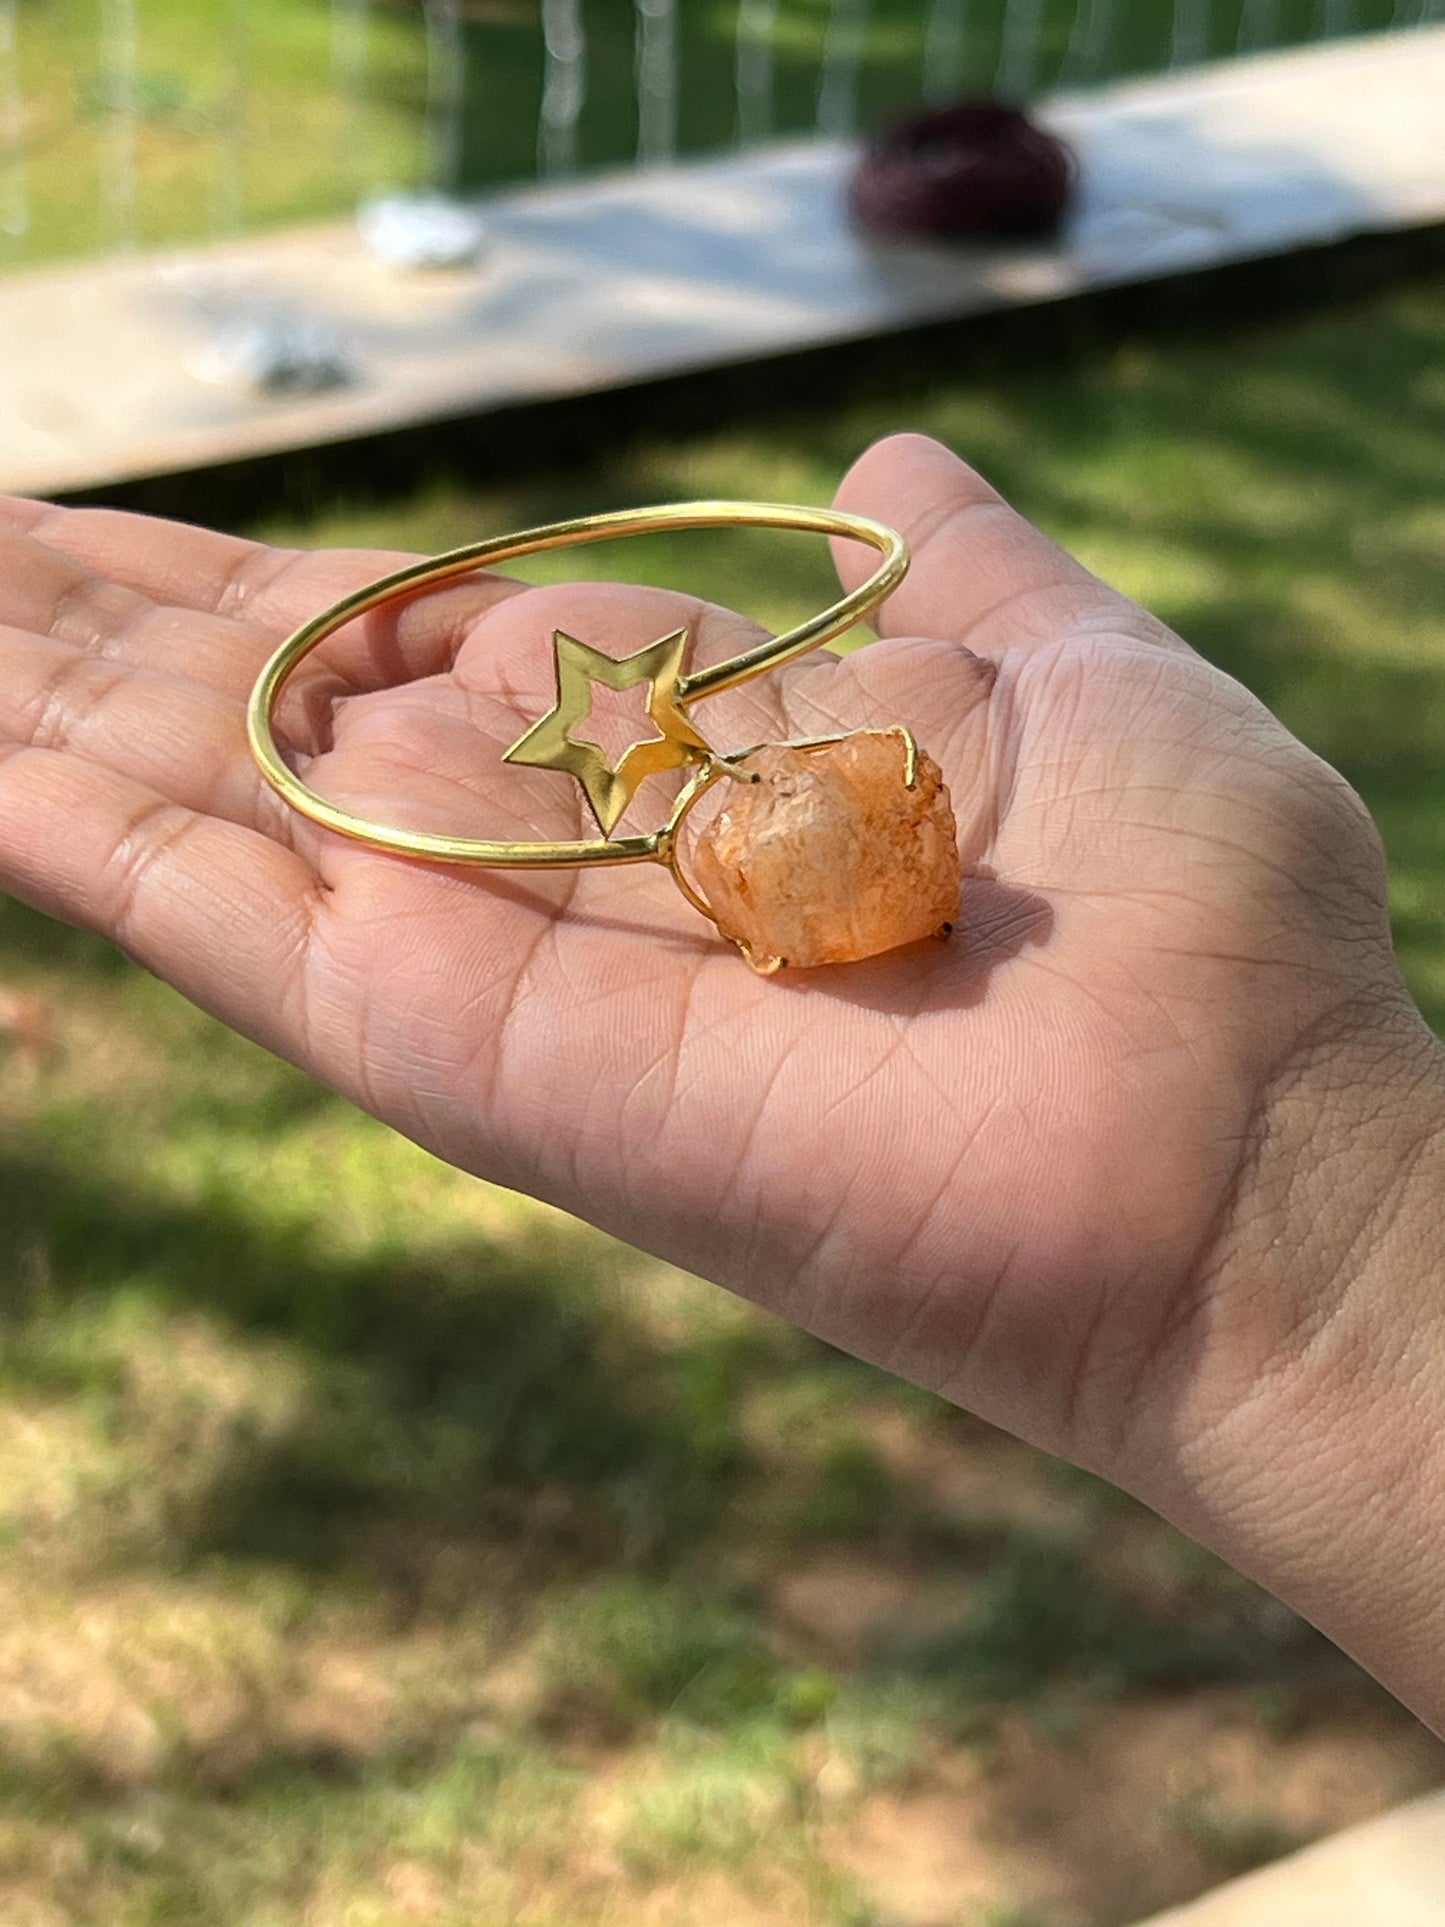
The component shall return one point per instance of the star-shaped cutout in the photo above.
(549, 744)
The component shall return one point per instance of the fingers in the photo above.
(93, 667)
(177, 566)
(981, 573)
(52, 595)
(43, 590)
(213, 608)
(183, 740)
(171, 562)
(223, 913)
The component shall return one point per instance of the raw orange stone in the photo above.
(831, 856)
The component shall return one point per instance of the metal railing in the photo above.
(579, 83)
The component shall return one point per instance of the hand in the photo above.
(1081, 1169)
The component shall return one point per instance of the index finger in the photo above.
(177, 565)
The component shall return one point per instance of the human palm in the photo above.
(1020, 1167)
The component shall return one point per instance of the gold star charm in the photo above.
(549, 744)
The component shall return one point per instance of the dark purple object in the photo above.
(977, 168)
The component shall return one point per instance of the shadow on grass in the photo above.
(1047, 1621)
(481, 1392)
(487, 1420)
(196, 1840)
(35, 943)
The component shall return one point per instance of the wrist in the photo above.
(1308, 1414)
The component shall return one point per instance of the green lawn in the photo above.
(240, 123)
(376, 1547)
(251, 113)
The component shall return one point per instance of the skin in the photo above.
(1145, 1165)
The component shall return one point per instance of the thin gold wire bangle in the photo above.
(654, 847)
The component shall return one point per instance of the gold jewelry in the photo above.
(549, 744)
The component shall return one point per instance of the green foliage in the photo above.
(628, 1651)
(852, 1494)
(721, 1800)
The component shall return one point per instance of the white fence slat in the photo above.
(120, 108)
(1189, 33)
(446, 103)
(350, 72)
(755, 69)
(564, 89)
(228, 190)
(14, 182)
(841, 78)
(657, 81)
(1018, 52)
(944, 47)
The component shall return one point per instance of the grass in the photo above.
(247, 113)
(237, 123)
(377, 1547)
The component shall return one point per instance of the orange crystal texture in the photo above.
(831, 856)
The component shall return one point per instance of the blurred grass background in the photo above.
(248, 113)
(377, 1547)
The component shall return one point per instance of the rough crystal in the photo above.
(831, 856)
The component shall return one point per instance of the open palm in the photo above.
(1015, 1167)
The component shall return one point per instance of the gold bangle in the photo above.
(549, 743)
(674, 687)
